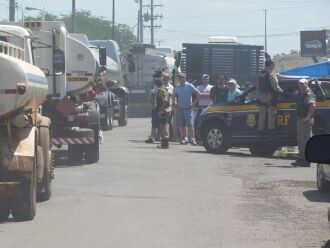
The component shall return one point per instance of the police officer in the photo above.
(164, 110)
(306, 103)
(268, 88)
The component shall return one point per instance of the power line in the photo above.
(199, 36)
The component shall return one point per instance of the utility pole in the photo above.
(159, 42)
(12, 5)
(152, 30)
(113, 19)
(265, 10)
(73, 17)
(141, 22)
(152, 17)
(138, 27)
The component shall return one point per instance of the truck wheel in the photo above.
(27, 210)
(92, 153)
(262, 150)
(92, 156)
(215, 138)
(107, 123)
(45, 186)
(123, 117)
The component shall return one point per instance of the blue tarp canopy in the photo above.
(315, 70)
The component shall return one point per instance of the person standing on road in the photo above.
(170, 89)
(306, 103)
(234, 92)
(268, 88)
(154, 115)
(219, 93)
(164, 110)
(182, 99)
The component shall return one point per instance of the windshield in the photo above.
(29, 53)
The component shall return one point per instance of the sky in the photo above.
(194, 21)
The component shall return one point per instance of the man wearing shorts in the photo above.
(182, 100)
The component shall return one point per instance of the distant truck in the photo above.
(112, 95)
(139, 64)
(26, 167)
(222, 55)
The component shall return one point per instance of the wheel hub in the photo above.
(214, 138)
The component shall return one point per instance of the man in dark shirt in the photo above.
(219, 93)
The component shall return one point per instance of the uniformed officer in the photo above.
(268, 88)
(164, 109)
(306, 103)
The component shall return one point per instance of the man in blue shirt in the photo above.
(234, 92)
(182, 100)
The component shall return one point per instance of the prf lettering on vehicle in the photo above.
(282, 120)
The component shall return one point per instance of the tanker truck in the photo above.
(112, 95)
(26, 168)
(71, 102)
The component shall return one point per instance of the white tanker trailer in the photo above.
(71, 102)
(26, 168)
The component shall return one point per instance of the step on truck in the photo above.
(71, 102)
(26, 167)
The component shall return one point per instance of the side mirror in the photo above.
(58, 62)
(318, 149)
(103, 56)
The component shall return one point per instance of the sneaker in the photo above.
(150, 140)
(193, 142)
(184, 141)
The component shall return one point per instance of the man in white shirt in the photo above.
(204, 89)
(204, 97)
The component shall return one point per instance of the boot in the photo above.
(163, 144)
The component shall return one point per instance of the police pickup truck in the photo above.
(223, 125)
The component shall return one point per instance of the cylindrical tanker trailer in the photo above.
(71, 102)
(26, 168)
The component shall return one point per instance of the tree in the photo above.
(95, 28)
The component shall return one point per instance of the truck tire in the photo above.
(27, 210)
(123, 115)
(92, 156)
(92, 153)
(107, 122)
(262, 150)
(45, 187)
(215, 138)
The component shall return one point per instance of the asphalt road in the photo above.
(138, 196)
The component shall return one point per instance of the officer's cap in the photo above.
(303, 81)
